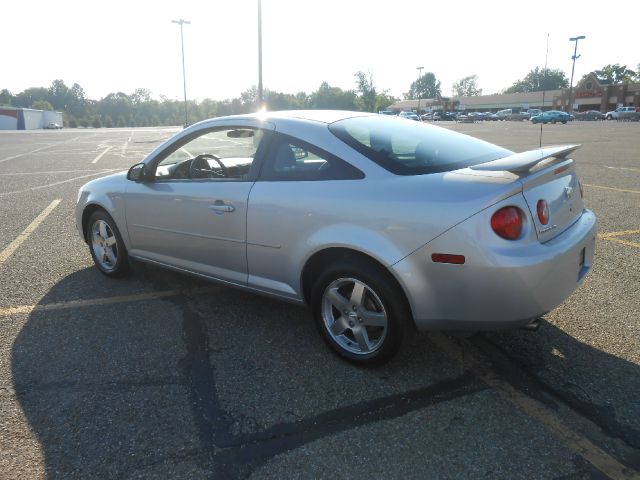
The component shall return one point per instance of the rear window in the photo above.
(406, 148)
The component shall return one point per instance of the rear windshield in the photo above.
(412, 148)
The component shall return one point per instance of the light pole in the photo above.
(418, 86)
(574, 58)
(260, 93)
(184, 78)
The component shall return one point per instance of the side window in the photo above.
(293, 159)
(223, 154)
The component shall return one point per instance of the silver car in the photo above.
(378, 224)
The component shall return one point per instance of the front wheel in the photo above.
(360, 312)
(106, 245)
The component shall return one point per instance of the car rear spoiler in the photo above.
(525, 161)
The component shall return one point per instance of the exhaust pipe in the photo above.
(533, 325)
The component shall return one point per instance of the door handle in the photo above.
(221, 207)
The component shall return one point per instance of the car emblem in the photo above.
(568, 191)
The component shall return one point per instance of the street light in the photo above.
(260, 94)
(184, 78)
(574, 58)
(418, 86)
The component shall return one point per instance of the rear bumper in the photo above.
(502, 284)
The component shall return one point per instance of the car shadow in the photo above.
(214, 385)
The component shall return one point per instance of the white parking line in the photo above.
(92, 302)
(13, 246)
(95, 160)
(27, 153)
(37, 150)
(625, 168)
(53, 172)
(55, 184)
(622, 190)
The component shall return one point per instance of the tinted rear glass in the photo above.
(412, 148)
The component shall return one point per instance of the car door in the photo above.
(191, 214)
(295, 179)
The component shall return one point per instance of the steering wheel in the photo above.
(200, 168)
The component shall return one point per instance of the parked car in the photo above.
(621, 113)
(476, 116)
(465, 117)
(378, 225)
(589, 115)
(409, 115)
(53, 126)
(386, 112)
(444, 116)
(552, 116)
(512, 114)
(426, 117)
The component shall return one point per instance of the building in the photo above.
(590, 94)
(595, 94)
(12, 118)
(542, 100)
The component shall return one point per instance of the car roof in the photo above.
(322, 116)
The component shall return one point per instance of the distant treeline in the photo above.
(139, 109)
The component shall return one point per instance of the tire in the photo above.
(106, 246)
(360, 312)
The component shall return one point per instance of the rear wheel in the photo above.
(106, 245)
(360, 312)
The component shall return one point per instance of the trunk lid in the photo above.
(545, 174)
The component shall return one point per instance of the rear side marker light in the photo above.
(543, 212)
(507, 222)
(447, 258)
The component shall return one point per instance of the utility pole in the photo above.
(260, 93)
(418, 86)
(184, 78)
(574, 58)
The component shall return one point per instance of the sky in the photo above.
(120, 45)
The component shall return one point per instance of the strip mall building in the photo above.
(592, 94)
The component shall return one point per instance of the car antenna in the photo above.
(546, 57)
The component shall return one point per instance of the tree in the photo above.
(540, 79)
(6, 97)
(140, 96)
(42, 105)
(616, 74)
(467, 87)
(367, 99)
(26, 98)
(77, 101)
(383, 100)
(427, 86)
(59, 95)
(332, 98)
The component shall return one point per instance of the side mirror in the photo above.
(137, 173)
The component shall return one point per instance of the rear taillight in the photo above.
(507, 222)
(543, 211)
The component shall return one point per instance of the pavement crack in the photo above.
(245, 453)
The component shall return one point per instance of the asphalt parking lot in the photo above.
(164, 376)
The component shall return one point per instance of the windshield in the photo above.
(406, 148)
